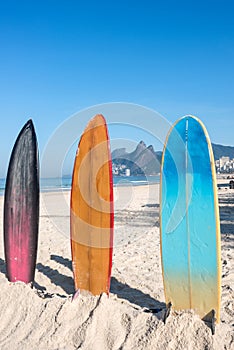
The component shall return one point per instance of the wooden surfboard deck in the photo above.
(21, 207)
(190, 228)
(92, 217)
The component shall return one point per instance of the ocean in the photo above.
(64, 183)
(2, 186)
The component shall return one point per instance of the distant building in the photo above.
(224, 165)
(223, 161)
(127, 172)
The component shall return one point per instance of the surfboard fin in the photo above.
(161, 313)
(167, 312)
(76, 295)
(210, 321)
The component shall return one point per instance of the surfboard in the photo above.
(21, 207)
(91, 212)
(189, 214)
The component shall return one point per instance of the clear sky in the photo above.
(60, 57)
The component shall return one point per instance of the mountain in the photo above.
(145, 160)
(222, 151)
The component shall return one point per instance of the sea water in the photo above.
(2, 186)
(64, 183)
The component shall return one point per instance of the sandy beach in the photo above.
(45, 317)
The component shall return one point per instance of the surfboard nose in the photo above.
(29, 126)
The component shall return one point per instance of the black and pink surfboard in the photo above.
(21, 207)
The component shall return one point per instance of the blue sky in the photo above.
(60, 57)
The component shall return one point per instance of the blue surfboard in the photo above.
(190, 228)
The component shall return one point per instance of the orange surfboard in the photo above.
(92, 215)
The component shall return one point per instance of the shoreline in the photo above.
(222, 182)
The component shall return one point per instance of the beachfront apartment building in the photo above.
(224, 165)
(120, 170)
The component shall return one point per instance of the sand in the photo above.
(45, 317)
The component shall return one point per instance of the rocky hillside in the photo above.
(145, 160)
(223, 151)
